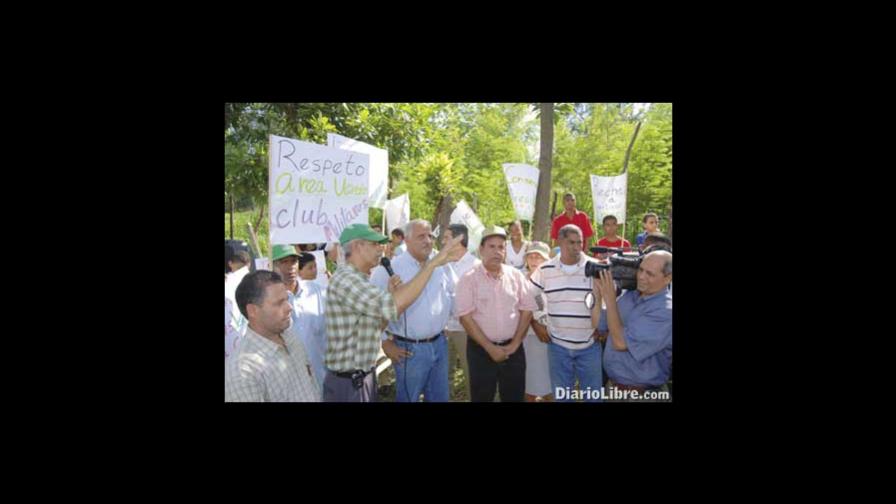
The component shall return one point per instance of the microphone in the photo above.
(386, 263)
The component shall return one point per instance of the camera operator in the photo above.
(639, 349)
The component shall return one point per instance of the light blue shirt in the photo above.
(647, 324)
(308, 321)
(429, 313)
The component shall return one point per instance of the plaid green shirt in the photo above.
(355, 312)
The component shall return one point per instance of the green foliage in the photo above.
(458, 149)
(594, 143)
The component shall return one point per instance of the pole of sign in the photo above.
(623, 237)
(231, 214)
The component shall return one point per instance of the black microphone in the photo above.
(388, 265)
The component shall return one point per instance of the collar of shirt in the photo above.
(578, 212)
(265, 345)
(480, 268)
(353, 271)
(407, 260)
(307, 287)
(639, 299)
(583, 258)
(240, 272)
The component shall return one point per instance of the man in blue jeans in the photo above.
(416, 341)
(573, 353)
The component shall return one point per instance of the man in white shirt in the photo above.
(239, 268)
(397, 246)
(457, 337)
(309, 305)
(231, 336)
(416, 344)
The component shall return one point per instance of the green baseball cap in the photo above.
(281, 251)
(361, 232)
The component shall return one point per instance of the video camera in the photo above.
(623, 266)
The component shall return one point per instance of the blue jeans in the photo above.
(426, 371)
(566, 364)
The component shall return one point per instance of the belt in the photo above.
(590, 339)
(499, 343)
(357, 376)
(351, 374)
(425, 340)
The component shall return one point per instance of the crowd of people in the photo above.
(524, 321)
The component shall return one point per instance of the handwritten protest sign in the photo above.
(522, 181)
(378, 182)
(315, 191)
(609, 196)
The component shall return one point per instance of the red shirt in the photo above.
(604, 242)
(579, 219)
(620, 242)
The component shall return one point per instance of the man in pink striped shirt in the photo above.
(494, 302)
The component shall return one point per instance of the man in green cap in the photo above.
(285, 260)
(357, 311)
(308, 302)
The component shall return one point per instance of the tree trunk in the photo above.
(442, 218)
(542, 200)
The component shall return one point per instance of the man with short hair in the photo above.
(610, 238)
(416, 343)
(357, 311)
(573, 353)
(572, 216)
(270, 364)
(639, 349)
(495, 306)
(397, 246)
(308, 301)
(457, 337)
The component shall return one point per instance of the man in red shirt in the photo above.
(610, 239)
(572, 216)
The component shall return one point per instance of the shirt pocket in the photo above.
(484, 298)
